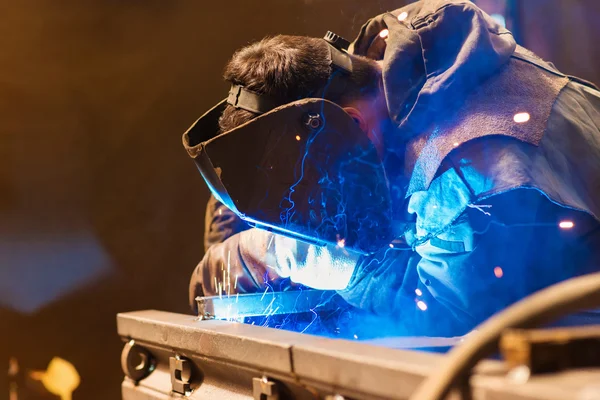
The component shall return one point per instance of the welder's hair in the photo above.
(292, 68)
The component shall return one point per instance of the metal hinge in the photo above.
(264, 389)
(181, 375)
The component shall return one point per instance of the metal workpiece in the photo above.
(228, 360)
(263, 304)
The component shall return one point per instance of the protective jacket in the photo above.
(495, 158)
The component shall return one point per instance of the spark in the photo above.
(402, 16)
(311, 322)
(237, 295)
(498, 272)
(418, 292)
(391, 245)
(269, 306)
(384, 33)
(228, 273)
(422, 306)
(216, 285)
(220, 291)
(341, 243)
(298, 137)
(521, 118)
(235, 283)
(566, 224)
(456, 144)
(481, 207)
(220, 211)
(270, 242)
(355, 336)
(263, 296)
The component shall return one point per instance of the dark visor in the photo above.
(303, 170)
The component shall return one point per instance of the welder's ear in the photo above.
(357, 117)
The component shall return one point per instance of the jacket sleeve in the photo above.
(221, 246)
(254, 259)
(494, 254)
(500, 251)
(384, 283)
(239, 264)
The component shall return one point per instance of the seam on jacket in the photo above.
(531, 61)
(583, 82)
(426, 16)
(553, 110)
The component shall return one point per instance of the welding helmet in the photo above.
(302, 169)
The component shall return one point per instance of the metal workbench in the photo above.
(170, 355)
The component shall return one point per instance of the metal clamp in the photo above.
(264, 389)
(181, 375)
(136, 362)
(336, 41)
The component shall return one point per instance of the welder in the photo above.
(491, 159)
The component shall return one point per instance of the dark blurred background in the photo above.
(101, 211)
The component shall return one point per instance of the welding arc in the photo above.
(576, 294)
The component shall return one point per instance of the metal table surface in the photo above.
(212, 359)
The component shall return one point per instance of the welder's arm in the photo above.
(319, 267)
(237, 265)
(488, 260)
(384, 282)
(248, 261)
(221, 224)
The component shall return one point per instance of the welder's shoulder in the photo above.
(500, 162)
(570, 147)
